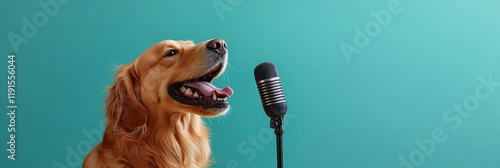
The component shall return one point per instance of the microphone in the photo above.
(273, 101)
(270, 90)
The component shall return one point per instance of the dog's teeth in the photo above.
(214, 96)
(183, 89)
(195, 94)
(188, 92)
(224, 99)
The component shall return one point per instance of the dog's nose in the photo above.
(217, 45)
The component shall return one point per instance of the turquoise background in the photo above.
(359, 114)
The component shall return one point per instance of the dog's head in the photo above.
(170, 77)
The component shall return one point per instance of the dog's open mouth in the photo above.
(200, 91)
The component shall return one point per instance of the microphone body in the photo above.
(270, 90)
(273, 101)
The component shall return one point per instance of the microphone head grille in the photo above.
(271, 91)
(264, 71)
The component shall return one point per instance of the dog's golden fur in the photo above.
(146, 128)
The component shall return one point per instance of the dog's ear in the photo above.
(123, 105)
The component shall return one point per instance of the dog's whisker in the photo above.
(222, 119)
(210, 122)
(115, 64)
(225, 77)
(102, 92)
(230, 66)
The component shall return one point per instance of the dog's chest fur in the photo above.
(181, 143)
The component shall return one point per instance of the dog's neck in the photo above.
(181, 137)
(186, 139)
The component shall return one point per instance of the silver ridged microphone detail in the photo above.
(271, 91)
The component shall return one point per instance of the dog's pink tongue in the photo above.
(207, 88)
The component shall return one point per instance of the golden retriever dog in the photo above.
(155, 105)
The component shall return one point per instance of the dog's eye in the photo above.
(171, 53)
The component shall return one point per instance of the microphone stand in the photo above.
(277, 124)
